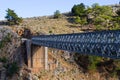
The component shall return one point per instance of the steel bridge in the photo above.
(100, 43)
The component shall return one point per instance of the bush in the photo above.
(1, 44)
(77, 20)
(81, 21)
(3, 59)
(12, 68)
(98, 20)
(50, 31)
(57, 14)
(94, 60)
(99, 27)
(5, 40)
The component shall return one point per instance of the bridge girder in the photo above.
(101, 43)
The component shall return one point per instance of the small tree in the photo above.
(79, 10)
(12, 17)
(57, 14)
(81, 21)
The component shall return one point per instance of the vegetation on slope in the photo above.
(99, 17)
(103, 18)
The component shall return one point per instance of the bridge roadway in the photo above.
(100, 43)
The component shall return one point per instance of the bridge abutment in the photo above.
(37, 57)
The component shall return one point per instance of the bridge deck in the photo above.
(101, 43)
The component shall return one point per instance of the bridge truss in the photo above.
(100, 43)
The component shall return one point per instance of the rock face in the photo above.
(10, 51)
(9, 43)
(2, 72)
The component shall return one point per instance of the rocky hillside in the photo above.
(76, 67)
(88, 67)
(49, 25)
(9, 42)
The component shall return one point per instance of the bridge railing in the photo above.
(101, 43)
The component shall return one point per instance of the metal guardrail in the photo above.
(100, 43)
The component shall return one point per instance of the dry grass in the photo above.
(48, 25)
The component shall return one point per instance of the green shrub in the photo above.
(99, 27)
(3, 59)
(1, 44)
(93, 61)
(57, 14)
(5, 40)
(12, 68)
(77, 20)
(50, 31)
(98, 21)
(113, 74)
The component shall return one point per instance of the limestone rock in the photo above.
(10, 42)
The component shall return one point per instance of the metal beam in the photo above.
(101, 43)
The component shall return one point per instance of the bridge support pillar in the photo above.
(46, 58)
(29, 56)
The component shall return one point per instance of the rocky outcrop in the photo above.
(2, 72)
(9, 43)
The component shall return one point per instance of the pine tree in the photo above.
(12, 17)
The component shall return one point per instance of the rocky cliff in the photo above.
(9, 42)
